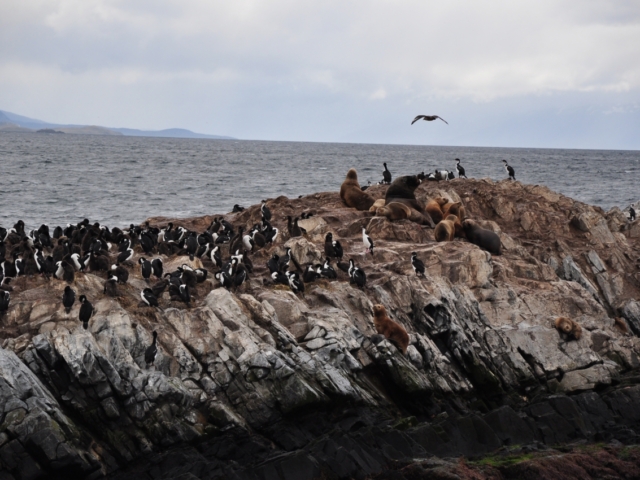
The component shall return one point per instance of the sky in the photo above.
(557, 74)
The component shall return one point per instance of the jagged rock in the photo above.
(238, 369)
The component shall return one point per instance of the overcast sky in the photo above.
(502, 73)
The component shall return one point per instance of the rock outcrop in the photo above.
(262, 383)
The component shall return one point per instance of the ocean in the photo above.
(60, 179)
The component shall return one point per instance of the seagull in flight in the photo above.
(428, 118)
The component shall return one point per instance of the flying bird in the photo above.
(428, 118)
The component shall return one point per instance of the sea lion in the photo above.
(390, 329)
(485, 239)
(351, 193)
(456, 209)
(377, 204)
(569, 327)
(459, 231)
(434, 208)
(400, 211)
(445, 230)
(403, 189)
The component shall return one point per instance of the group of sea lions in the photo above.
(446, 217)
(448, 220)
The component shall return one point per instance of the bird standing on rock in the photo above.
(266, 213)
(428, 118)
(68, 299)
(460, 169)
(151, 351)
(386, 174)
(86, 311)
(509, 170)
(356, 275)
(366, 239)
(417, 264)
(145, 268)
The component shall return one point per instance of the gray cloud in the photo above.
(330, 71)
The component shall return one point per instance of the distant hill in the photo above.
(170, 132)
(11, 122)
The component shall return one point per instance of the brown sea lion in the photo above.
(457, 224)
(402, 190)
(390, 329)
(485, 239)
(351, 193)
(377, 204)
(400, 211)
(456, 209)
(434, 208)
(569, 327)
(445, 230)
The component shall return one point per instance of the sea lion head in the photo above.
(352, 174)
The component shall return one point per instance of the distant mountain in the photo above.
(10, 121)
(170, 132)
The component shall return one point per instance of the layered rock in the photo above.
(257, 367)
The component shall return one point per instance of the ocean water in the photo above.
(60, 179)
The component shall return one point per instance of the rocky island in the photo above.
(260, 383)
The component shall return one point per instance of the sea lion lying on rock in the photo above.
(569, 327)
(402, 190)
(434, 208)
(446, 230)
(351, 193)
(377, 204)
(400, 211)
(391, 330)
(485, 239)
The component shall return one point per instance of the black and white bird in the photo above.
(428, 118)
(327, 271)
(111, 286)
(332, 248)
(632, 213)
(68, 299)
(64, 271)
(386, 174)
(310, 274)
(124, 256)
(216, 257)
(224, 278)
(273, 263)
(460, 169)
(86, 311)
(149, 297)
(295, 282)
(145, 268)
(5, 297)
(368, 243)
(266, 213)
(120, 272)
(356, 275)
(417, 264)
(284, 260)
(192, 245)
(151, 351)
(180, 293)
(509, 169)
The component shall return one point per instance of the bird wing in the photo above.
(417, 118)
(442, 119)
